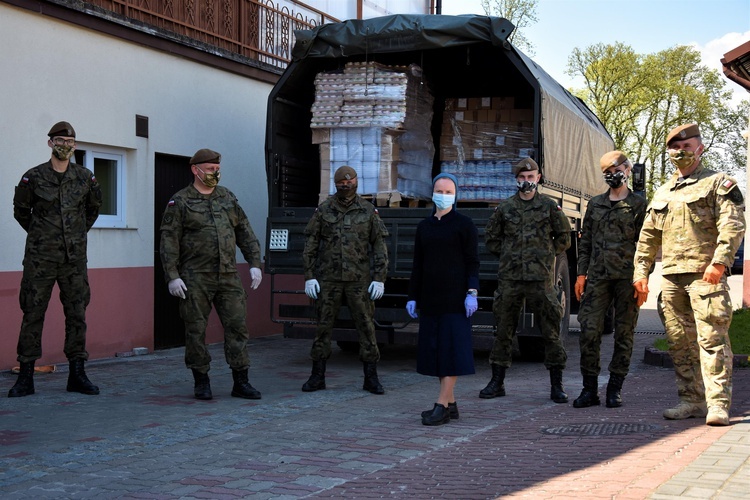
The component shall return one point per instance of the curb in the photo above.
(655, 357)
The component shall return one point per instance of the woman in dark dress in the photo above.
(443, 285)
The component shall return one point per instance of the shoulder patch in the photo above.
(25, 180)
(93, 178)
(171, 203)
(728, 183)
(559, 208)
(376, 212)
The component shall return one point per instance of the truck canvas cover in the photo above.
(573, 137)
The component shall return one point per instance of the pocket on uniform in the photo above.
(715, 304)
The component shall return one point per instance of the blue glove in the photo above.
(312, 288)
(411, 308)
(471, 305)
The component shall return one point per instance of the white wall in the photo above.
(55, 71)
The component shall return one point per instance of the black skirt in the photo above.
(444, 347)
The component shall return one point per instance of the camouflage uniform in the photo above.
(199, 236)
(57, 212)
(696, 221)
(605, 257)
(526, 236)
(340, 241)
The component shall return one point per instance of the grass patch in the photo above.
(739, 333)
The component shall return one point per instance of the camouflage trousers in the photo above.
(225, 292)
(541, 299)
(39, 277)
(697, 316)
(362, 310)
(595, 303)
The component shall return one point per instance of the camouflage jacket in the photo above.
(696, 222)
(340, 241)
(609, 236)
(57, 213)
(201, 233)
(527, 235)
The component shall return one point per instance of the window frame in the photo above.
(119, 156)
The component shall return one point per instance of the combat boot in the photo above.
(717, 415)
(242, 388)
(77, 379)
(202, 389)
(372, 383)
(496, 386)
(614, 388)
(24, 386)
(317, 380)
(557, 392)
(589, 395)
(685, 409)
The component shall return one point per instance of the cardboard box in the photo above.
(521, 115)
(503, 102)
(321, 135)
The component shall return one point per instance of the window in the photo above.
(108, 165)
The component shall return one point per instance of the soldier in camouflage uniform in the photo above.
(605, 270)
(696, 219)
(200, 230)
(56, 203)
(526, 232)
(344, 233)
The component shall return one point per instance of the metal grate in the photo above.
(279, 240)
(600, 429)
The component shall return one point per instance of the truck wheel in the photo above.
(562, 282)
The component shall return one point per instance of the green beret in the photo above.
(63, 129)
(525, 165)
(683, 132)
(205, 156)
(345, 172)
(612, 159)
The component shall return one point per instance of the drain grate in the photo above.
(601, 429)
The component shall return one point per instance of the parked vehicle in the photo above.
(491, 105)
(739, 259)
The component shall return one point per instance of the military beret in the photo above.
(64, 129)
(525, 165)
(205, 156)
(345, 172)
(612, 159)
(683, 132)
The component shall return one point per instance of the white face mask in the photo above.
(443, 201)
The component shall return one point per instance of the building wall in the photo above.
(55, 71)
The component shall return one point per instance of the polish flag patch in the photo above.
(171, 203)
(728, 183)
(25, 180)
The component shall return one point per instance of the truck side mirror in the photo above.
(639, 177)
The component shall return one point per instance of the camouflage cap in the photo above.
(345, 172)
(683, 132)
(205, 155)
(63, 129)
(525, 165)
(612, 159)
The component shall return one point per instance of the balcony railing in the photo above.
(256, 29)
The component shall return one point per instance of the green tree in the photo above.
(522, 13)
(640, 98)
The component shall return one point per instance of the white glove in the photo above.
(376, 290)
(411, 308)
(256, 276)
(177, 288)
(312, 288)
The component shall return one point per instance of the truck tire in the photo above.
(532, 348)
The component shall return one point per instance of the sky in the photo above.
(713, 27)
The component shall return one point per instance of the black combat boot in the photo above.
(589, 396)
(242, 388)
(438, 416)
(496, 387)
(557, 393)
(24, 386)
(77, 379)
(614, 398)
(317, 380)
(372, 383)
(202, 388)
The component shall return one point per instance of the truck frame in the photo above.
(460, 57)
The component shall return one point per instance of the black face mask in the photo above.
(346, 193)
(614, 180)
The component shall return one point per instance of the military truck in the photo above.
(490, 105)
